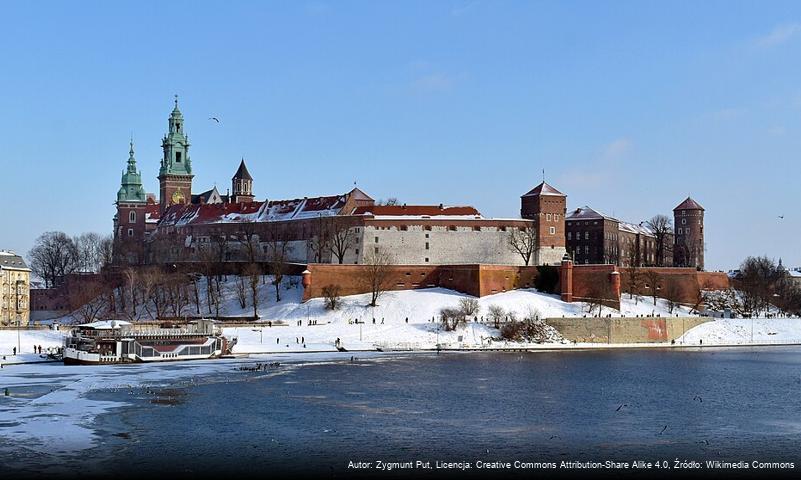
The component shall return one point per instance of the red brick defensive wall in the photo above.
(573, 282)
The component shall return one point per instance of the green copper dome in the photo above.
(131, 189)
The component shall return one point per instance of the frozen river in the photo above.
(318, 414)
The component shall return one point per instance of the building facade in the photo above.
(15, 284)
(595, 238)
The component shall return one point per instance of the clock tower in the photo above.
(175, 174)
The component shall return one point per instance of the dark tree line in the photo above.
(56, 254)
(762, 283)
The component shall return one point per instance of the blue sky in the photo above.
(628, 106)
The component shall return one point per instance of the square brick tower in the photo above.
(688, 223)
(546, 206)
(175, 174)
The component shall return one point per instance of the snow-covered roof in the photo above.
(270, 211)
(544, 189)
(401, 212)
(106, 324)
(587, 213)
(636, 229)
(11, 261)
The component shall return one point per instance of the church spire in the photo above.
(131, 188)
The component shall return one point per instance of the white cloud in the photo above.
(617, 148)
(779, 35)
(433, 82)
(601, 171)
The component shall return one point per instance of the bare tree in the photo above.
(152, 281)
(652, 277)
(759, 280)
(241, 293)
(89, 302)
(332, 298)
(634, 279)
(53, 256)
(249, 241)
(207, 263)
(91, 251)
(319, 243)
(277, 251)
(131, 282)
(341, 238)
(673, 296)
(662, 228)
(253, 272)
(376, 273)
(523, 240)
(594, 298)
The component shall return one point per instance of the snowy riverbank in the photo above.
(403, 321)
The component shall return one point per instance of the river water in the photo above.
(319, 417)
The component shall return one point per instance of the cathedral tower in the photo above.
(242, 185)
(129, 222)
(175, 174)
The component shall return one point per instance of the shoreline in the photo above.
(539, 348)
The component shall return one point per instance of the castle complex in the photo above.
(350, 228)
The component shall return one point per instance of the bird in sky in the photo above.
(781, 216)
(215, 119)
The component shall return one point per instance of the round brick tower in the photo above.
(688, 224)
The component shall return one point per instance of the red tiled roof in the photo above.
(689, 204)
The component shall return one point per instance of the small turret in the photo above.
(242, 185)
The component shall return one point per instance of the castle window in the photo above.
(452, 228)
(586, 235)
(553, 230)
(679, 230)
(548, 217)
(426, 245)
(426, 259)
(684, 221)
(404, 228)
(376, 250)
(477, 229)
(427, 235)
(376, 239)
(177, 157)
(130, 232)
(570, 235)
(132, 217)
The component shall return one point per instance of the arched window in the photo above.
(132, 216)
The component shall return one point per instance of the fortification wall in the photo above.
(624, 329)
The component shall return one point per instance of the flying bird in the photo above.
(621, 406)
(781, 216)
(663, 430)
(215, 119)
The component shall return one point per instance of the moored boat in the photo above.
(117, 341)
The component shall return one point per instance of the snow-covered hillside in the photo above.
(742, 331)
